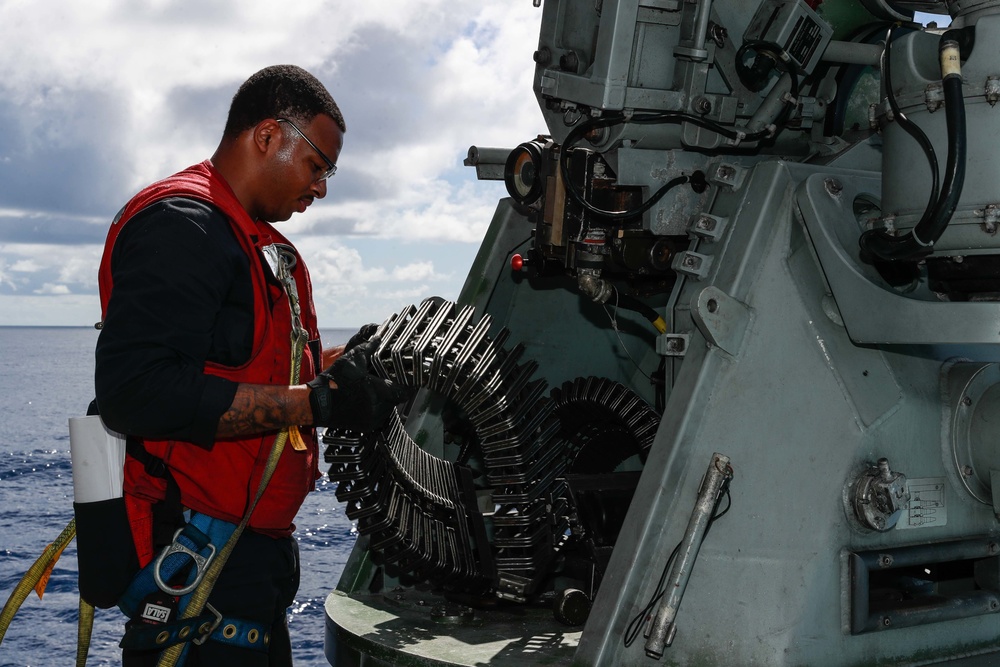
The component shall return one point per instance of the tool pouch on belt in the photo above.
(105, 551)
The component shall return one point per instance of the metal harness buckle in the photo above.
(203, 636)
(201, 564)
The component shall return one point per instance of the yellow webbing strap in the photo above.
(41, 568)
(37, 575)
(83, 632)
(171, 655)
(33, 580)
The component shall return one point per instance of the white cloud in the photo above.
(117, 93)
(25, 265)
(49, 288)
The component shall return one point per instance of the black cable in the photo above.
(659, 381)
(777, 55)
(784, 63)
(879, 242)
(919, 241)
(503, 266)
(635, 625)
(572, 138)
(847, 77)
(629, 302)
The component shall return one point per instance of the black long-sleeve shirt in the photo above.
(182, 295)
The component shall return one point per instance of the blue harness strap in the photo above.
(192, 544)
(193, 548)
(231, 631)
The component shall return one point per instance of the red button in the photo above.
(516, 262)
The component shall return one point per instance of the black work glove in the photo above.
(363, 336)
(362, 401)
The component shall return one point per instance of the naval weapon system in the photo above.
(723, 384)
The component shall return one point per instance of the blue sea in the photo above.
(46, 377)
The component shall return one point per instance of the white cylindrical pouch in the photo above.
(98, 455)
(106, 554)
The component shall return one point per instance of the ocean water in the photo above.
(46, 377)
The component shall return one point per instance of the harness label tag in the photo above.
(156, 613)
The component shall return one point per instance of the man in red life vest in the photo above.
(203, 301)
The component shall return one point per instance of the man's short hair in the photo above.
(280, 91)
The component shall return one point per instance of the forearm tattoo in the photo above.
(262, 408)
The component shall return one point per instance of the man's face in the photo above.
(295, 170)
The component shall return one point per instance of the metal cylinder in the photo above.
(853, 53)
(663, 628)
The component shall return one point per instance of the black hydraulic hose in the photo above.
(954, 170)
(919, 242)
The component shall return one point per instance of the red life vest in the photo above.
(221, 482)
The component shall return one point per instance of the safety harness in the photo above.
(169, 616)
(182, 577)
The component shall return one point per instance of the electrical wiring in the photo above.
(919, 136)
(697, 179)
(614, 325)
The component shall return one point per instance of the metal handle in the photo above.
(664, 629)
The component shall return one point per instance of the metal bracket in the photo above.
(708, 227)
(672, 344)
(691, 264)
(728, 174)
(721, 319)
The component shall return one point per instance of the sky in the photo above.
(99, 98)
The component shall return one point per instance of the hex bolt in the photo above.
(833, 186)
(705, 224)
